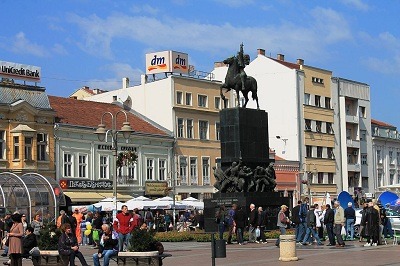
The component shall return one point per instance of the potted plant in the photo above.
(48, 241)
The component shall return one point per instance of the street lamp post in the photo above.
(102, 134)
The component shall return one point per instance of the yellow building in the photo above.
(26, 130)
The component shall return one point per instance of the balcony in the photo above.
(353, 119)
(352, 143)
(354, 167)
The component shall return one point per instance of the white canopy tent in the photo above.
(108, 204)
(194, 203)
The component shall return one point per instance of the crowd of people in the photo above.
(313, 223)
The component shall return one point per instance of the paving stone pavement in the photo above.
(194, 253)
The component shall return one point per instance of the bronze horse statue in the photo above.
(233, 81)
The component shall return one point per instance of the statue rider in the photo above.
(242, 62)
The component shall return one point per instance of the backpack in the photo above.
(149, 216)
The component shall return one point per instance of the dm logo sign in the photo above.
(166, 61)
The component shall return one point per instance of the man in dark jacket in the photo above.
(328, 221)
(371, 225)
(239, 221)
(350, 215)
(311, 227)
(252, 223)
(108, 246)
(261, 222)
(296, 220)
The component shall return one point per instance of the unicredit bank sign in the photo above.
(19, 71)
(167, 61)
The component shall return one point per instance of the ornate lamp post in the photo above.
(102, 134)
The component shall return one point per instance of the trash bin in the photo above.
(287, 248)
(220, 248)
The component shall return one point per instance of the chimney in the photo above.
(219, 64)
(261, 51)
(300, 61)
(280, 57)
(125, 83)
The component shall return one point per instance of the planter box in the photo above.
(52, 253)
(137, 254)
(141, 258)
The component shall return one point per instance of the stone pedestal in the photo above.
(287, 251)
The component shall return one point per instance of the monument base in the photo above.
(269, 201)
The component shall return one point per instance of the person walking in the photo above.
(239, 222)
(371, 225)
(311, 221)
(123, 225)
(261, 222)
(329, 221)
(350, 216)
(108, 246)
(15, 240)
(79, 217)
(37, 225)
(338, 223)
(296, 218)
(252, 223)
(282, 222)
(220, 220)
(231, 227)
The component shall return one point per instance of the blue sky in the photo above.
(97, 43)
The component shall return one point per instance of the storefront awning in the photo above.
(79, 196)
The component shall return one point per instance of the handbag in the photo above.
(258, 232)
(5, 241)
(95, 235)
(343, 231)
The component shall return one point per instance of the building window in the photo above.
(161, 169)
(306, 98)
(104, 166)
(363, 135)
(179, 97)
(41, 146)
(319, 152)
(67, 165)
(16, 148)
(2, 144)
(391, 161)
(317, 80)
(379, 179)
(217, 130)
(217, 103)
(330, 178)
(378, 156)
(82, 165)
(183, 169)
(203, 129)
(318, 126)
(329, 152)
(188, 98)
(202, 100)
(180, 128)
(391, 178)
(364, 182)
(150, 169)
(320, 178)
(317, 101)
(218, 162)
(28, 148)
(362, 113)
(327, 102)
(364, 159)
(307, 124)
(309, 151)
(398, 158)
(206, 171)
(398, 176)
(193, 171)
(132, 171)
(329, 128)
(189, 128)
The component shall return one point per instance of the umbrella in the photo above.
(140, 198)
(166, 198)
(107, 205)
(142, 203)
(191, 199)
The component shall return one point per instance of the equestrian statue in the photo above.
(237, 79)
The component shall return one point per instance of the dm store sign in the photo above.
(167, 61)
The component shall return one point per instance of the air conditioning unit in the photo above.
(355, 153)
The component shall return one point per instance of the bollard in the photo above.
(287, 248)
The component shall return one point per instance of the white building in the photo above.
(386, 156)
(353, 149)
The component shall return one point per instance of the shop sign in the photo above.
(156, 188)
(85, 184)
(19, 71)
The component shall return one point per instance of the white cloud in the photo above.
(327, 27)
(145, 9)
(59, 49)
(235, 3)
(358, 4)
(19, 44)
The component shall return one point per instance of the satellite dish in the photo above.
(123, 96)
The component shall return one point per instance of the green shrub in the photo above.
(49, 236)
(142, 240)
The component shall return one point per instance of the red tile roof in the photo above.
(287, 64)
(85, 113)
(380, 123)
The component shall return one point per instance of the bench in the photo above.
(149, 258)
(47, 254)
